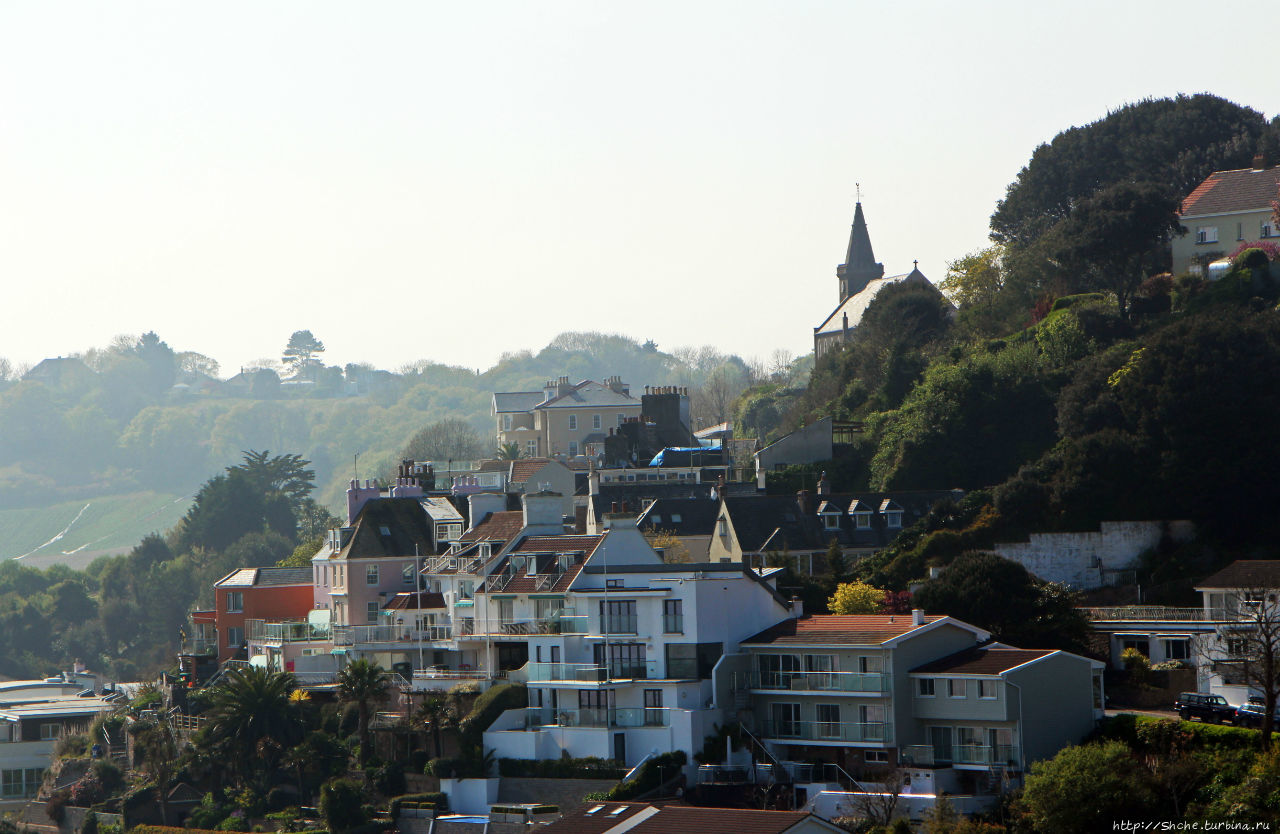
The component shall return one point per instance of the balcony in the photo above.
(199, 646)
(617, 670)
(564, 623)
(983, 755)
(875, 732)
(852, 682)
(351, 635)
(598, 717)
(286, 632)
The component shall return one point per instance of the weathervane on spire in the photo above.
(858, 187)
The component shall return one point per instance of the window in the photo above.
(235, 637)
(1267, 229)
(49, 732)
(625, 660)
(621, 419)
(986, 689)
(1207, 234)
(653, 707)
(613, 583)
(957, 688)
(506, 422)
(531, 448)
(876, 756)
(871, 664)
(506, 611)
(675, 518)
(371, 575)
(596, 421)
(235, 602)
(466, 588)
(573, 448)
(573, 422)
(784, 720)
(862, 520)
(925, 687)
(831, 521)
(618, 616)
(406, 574)
(893, 519)
(1239, 231)
(829, 720)
(371, 612)
(673, 616)
(1179, 649)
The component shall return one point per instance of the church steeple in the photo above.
(859, 267)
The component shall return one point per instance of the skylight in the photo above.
(617, 810)
(593, 810)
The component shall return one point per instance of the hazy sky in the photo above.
(452, 181)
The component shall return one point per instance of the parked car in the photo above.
(1251, 714)
(1212, 709)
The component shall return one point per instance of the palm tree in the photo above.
(508, 451)
(363, 683)
(436, 714)
(252, 717)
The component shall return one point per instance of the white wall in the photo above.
(1090, 560)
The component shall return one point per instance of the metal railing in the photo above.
(1158, 613)
(557, 624)
(351, 635)
(537, 717)
(869, 682)
(926, 755)
(594, 672)
(199, 646)
(287, 631)
(828, 730)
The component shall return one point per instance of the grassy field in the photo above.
(87, 528)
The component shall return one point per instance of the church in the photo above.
(860, 278)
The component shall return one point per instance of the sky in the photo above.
(452, 181)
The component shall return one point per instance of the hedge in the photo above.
(590, 767)
(439, 800)
(488, 707)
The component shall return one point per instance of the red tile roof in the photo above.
(522, 469)
(988, 660)
(526, 584)
(500, 526)
(676, 819)
(1245, 189)
(558, 544)
(857, 629)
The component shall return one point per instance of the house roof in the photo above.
(855, 630)
(420, 601)
(856, 305)
(638, 494)
(389, 527)
(499, 526)
(265, 577)
(993, 660)
(526, 582)
(641, 818)
(1245, 573)
(588, 393)
(1244, 189)
(558, 544)
(440, 509)
(516, 401)
(697, 516)
(522, 469)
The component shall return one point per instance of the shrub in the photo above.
(87, 791)
(109, 774)
(565, 767)
(388, 779)
(72, 747)
(488, 707)
(439, 800)
(90, 824)
(342, 805)
(56, 807)
(207, 814)
(650, 776)
(1136, 664)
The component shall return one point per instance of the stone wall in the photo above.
(567, 794)
(1089, 560)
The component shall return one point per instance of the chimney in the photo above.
(481, 504)
(917, 616)
(544, 510)
(797, 608)
(357, 497)
(593, 479)
(802, 501)
(1260, 162)
(824, 488)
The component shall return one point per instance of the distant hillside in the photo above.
(84, 530)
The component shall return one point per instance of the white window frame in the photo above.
(506, 422)
(862, 520)
(573, 422)
(960, 685)
(1207, 234)
(573, 448)
(893, 519)
(985, 687)
(831, 521)
(50, 731)
(235, 636)
(596, 421)
(372, 609)
(531, 448)
(371, 574)
(406, 573)
(1267, 230)
(875, 756)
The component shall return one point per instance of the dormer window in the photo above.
(831, 521)
(893, 519)
(862, 520)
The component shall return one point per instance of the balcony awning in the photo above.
(337, 651)
(464, 603)
(543, 596)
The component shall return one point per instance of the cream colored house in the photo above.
(563, 419)
(1226, 211)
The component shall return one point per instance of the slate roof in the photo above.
(1244, 189)
(639, 494)
(639, 818)
(516, 401)
(852, 630)
(440, 509)
(501, 526)
(389, 527)
(993, 660)
(1245, 573)
(856, 304)
(589, 393)
(265, 577)
(697, 516)
(410, 601)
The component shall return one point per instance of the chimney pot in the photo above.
(917, 616)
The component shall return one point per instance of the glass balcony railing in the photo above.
(828, 730)
(563, 623)
(620, 624)
(926, 755)
(870, 682)
(288, 631)
(595, 672)
(537, 717)
(351, 635)
(200, 646)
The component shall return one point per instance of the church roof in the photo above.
(856, 305)
(859, 256)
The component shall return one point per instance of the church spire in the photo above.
(859, 267)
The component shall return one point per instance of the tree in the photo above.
(1247, 650)
(448, 439)
(837, 565)
(1084, 789)
(299, 353)
(508, 451)
(1000, 596)
(342, 805)
(436, 713)
(856, 598)
(1118, 236)
(252, 719)
(154, 741)
(283, 473)
(364, 684)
